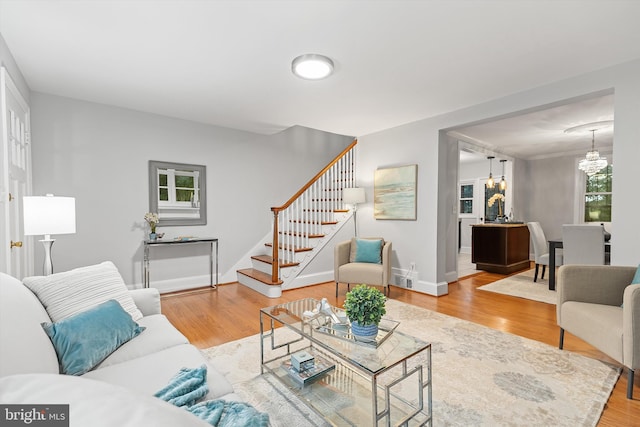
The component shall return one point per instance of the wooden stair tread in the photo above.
(315, 222)
(293, 233)
(259, 275)
(269, 260)
(287, 247)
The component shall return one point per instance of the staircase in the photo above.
(302, 227)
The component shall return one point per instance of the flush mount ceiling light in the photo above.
(592, 163)
(312, 66)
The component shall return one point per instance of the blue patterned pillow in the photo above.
(85, 339)
(368, 250)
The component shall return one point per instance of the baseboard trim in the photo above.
(174, 285)
(310, 280)
(430, 288)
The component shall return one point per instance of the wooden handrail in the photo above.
(314, 179)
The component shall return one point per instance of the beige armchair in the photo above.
(598, 304)
(349, 272)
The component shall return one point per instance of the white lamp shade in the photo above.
(45, 215)
(353, 196)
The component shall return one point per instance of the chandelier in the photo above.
(592, 162)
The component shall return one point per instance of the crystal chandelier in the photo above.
(592, 162)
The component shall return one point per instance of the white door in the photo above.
(15, 175)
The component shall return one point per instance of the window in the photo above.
(466, 198)
(597, 196)
(178, 188)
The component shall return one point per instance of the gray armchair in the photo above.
(349, 272)
(598, 304)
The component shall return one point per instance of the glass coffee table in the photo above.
(386, 383)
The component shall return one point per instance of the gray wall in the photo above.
(550, 186)
(99, 155)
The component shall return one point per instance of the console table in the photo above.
(500, 248)
(190, 241)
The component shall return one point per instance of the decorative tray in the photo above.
(342, 329)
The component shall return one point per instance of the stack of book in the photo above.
(304, 370)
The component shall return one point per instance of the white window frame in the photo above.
(474, 198)
(172, 189)
(581, 193)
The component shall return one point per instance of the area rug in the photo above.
(481, 376)
(522, 286)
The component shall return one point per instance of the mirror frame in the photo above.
(154, 165)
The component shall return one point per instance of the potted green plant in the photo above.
(364, 307)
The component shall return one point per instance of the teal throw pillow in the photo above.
(368, 250)
(85, 339)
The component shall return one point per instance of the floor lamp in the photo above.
(353, 196)
(47, 215)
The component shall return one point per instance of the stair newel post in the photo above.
(275, 264)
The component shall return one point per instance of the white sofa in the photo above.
(136, 370)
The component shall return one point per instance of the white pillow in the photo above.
(70, 292)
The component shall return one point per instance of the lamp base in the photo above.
(47, 269)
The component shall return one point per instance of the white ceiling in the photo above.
(541, 133)
(228, 63)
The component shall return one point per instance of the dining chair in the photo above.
(541, 249)
(583, 244)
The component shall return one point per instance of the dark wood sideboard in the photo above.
(500, 248)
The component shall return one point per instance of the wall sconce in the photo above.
(353, 196)
(47, 215)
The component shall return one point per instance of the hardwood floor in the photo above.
(211, 317)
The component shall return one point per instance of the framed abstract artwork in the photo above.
(394, 193)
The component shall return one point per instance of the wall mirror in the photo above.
(177, 193)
